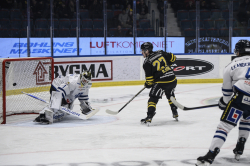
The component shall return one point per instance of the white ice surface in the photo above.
(107, 140)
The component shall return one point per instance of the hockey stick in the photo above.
(189, 108)
(66, 110)
(35, 97)
(114, 113)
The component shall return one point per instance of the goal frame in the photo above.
(4, 80)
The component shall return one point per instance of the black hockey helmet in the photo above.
(85, 77)
(147, 46)
(242, 47)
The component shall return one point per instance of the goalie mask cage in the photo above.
(29, 75)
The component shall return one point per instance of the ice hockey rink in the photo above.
(120, 140)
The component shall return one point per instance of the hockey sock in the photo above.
(152, 105)
(220, 135)
(244, 129)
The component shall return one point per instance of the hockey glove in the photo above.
(148, 86)
(222, 104)
(85, 108)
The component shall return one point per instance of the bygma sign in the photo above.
(100, 70)
(184, 67)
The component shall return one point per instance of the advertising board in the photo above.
(121, 68)
(207, 45)
(41, 47)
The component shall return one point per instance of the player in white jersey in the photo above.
(235, 104)
(64, 91)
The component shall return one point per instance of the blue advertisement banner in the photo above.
(236, 39)
(41, 47)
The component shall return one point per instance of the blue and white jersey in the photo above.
(70, 87)
(236, 75)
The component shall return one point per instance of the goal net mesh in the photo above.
(20, 79)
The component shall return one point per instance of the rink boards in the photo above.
(127, 70)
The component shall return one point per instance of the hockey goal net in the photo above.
(23, 77)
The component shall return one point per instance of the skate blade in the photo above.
(146, 124)
(237, 157)
(199, 163)
(46, 123)
(176, 119)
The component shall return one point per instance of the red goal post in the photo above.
(29, 75)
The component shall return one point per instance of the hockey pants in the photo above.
(156, 93)
(236, 110)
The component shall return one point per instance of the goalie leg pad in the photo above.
(55, 100)
(49, 114)
(59, 115)
(45, 116)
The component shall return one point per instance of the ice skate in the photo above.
(208, 158)
(148, 119)
(38, 119)
(41, 119)
(238, 150)
(175, 113)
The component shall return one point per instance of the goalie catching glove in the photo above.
(85, 108)
(222, 104)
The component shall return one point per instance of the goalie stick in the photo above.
(114, 113)
(35, 97)
(66, 110)
(189, 108)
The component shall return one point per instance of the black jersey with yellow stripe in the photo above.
(157, 67)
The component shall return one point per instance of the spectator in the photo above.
(160, 7)
(142, 10)
(128, 8)
(38, 9)
(23, 5)
(116, 5)
(130, 19)
(72, 8)
(95, 10)
(244, 12)
(63, 11)
(6, 4)
(213, 4)
(123, 18)
(46, 12)
(177, 5)
(119, 32)
(127, 2)
(204, 5)
(84, 4)
(190, 5)
(129, 33)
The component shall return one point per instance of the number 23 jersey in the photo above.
(157, 67)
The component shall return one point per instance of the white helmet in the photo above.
(85, 77)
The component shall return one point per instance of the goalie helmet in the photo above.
(147, 46)
(242, 47)
(85, 77)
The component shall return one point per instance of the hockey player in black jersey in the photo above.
(159, 77)
(235, 104)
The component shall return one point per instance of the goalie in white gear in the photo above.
(235, 104)
(64, 91)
